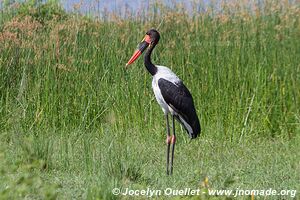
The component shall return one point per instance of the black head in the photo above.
(150, 40)
(154, 35)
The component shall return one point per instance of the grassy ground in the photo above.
(75, 124)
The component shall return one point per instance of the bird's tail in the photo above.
(196, 128)
(192, 126)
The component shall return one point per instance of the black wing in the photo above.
(181, 101)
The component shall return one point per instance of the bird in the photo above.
(171, 94)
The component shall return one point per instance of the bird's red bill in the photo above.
(135, 55)
(141, 48)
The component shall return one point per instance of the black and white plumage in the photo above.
(175, 98)
(171, 94)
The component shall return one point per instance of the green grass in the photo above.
(75, 124)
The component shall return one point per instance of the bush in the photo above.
(38, 10)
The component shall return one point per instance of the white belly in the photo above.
(166, 109)
(167, 74)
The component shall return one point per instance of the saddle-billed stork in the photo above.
(170, 93)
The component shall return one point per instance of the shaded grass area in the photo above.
(75, 124)
(91, 164)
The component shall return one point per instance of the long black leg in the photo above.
(173, 141)
(168, 143)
